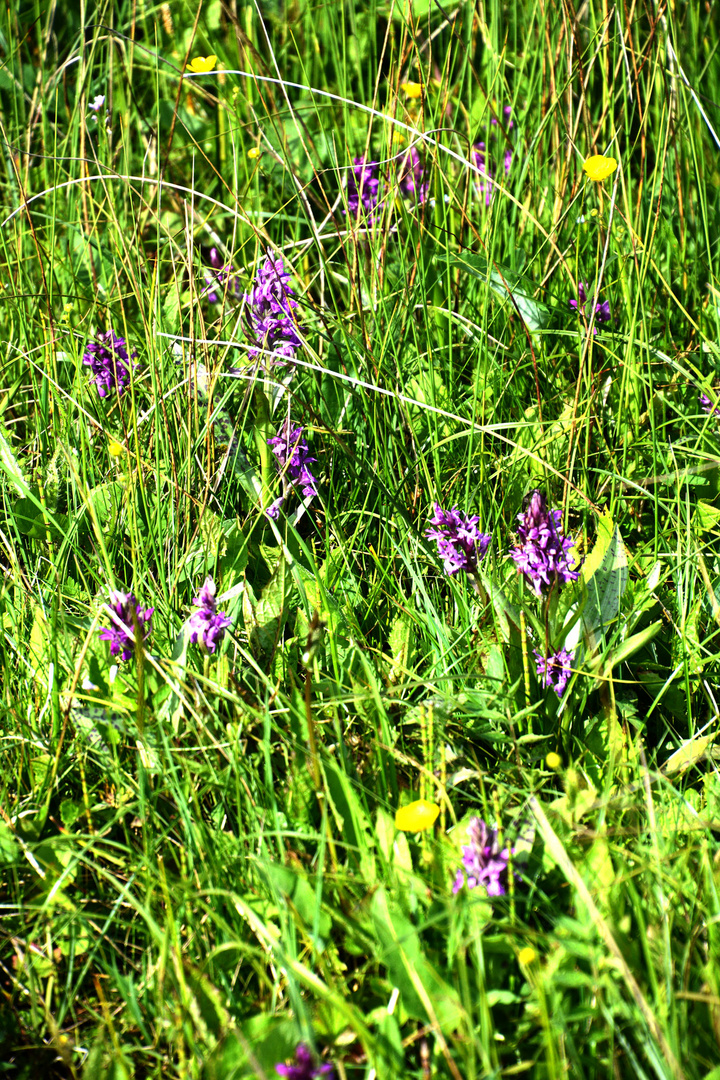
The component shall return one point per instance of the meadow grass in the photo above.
(200, 863)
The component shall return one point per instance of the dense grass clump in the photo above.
(360, 540)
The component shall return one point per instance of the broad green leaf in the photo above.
(605, 582)
(385, 833)
(69, 812)
(106, 500)
(350, 816)
(101, 729)
(236, 551)
(9, 847)
(428, 388)
(706, 516)
(74, 939)
(409, 10)
(39, 642)
(603, 538)
(401, 638)
(508, 614)
(298, 890)
(425, 995)
(628, 648)
(690, 753)
(264, 1041)
(502, 997)
(510, 286)
(600, 874)
(11, 466)
(31, 520)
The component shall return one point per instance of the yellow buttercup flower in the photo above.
(527, 956)
(411, 89)
(553, 761)
(115, 449)
(253, 152)
(200, 64)
(598, 167)
(416, 816)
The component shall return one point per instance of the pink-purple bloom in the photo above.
(543, 552)
(128, 621)
(554, 670)
(215, 281)
(459, 541)
(293, 458)
(97, 104)
(110, 363)
(484, 186)
(484, 862)
(269, 307)
(707, 406)
(410, 176)
(304, 1069)
(479, 157)
(507, 113)
(207, 625)
(363, 187)
(602, 310)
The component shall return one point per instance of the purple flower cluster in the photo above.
(460, 543)
(270, 306)
(363, 188)
(110, 363)
(410, 176)
(128, 622)
(304, 1069)
(207, 625)
(478, 156)
(507, 116)
(215, 281)
(707, 406)
(293, 457)
(484, 862)
(542, 555)
(602, 311)
(554, 670)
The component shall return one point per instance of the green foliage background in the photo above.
(199, 865)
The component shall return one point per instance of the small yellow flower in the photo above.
(553, 761)
(411, 89)
(527, 956)
(115, 449)
(200, 64)
(416, 816)
(254, 152)
(599, 167)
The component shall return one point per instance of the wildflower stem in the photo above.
(139, 634)
(262, 432)
(526, 665)
(439, 221)
(312, 741)
(479, 587)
